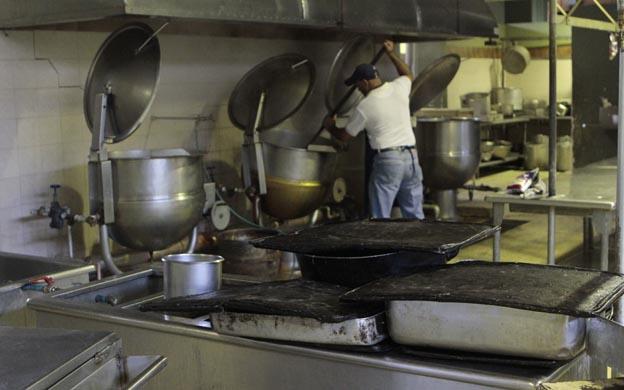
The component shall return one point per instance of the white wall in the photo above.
(481, 75)
(44, 138)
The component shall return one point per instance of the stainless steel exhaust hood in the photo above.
(406, 19)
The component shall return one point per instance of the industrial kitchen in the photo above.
(278, 194)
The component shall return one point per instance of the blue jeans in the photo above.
(396, 175)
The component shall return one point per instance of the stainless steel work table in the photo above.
(587, 191)
(201, 358)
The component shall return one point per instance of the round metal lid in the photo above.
(286, 80)
(131, 75)
(358, 50)
(433, 80)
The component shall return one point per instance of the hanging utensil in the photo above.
(515, 59)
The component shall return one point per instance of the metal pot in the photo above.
(297, 179)
(242, 257)
(507, 96)
(448, 150)
(478, 102)
(191, 274)
(158, 196)
(356, 269)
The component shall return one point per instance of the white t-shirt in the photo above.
(385, 115)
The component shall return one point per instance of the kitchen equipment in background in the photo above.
(290, 180)
(535, 156)
(353, 53)
(158, 196)
(358, 50)
(449, 154)
(242, 257)
(486, 150)
(433, 80)
(354, 253)
(298, 179)
(511, 309)
(501, 149)
(479, 102)
(74, 359)
(515, 59)
(191, 274)
(506, 96)
(565, 158)
(148, 200)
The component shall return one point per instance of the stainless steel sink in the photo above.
(17, 270)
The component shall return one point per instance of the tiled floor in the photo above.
(524, 235)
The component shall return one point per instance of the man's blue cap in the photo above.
(362, 72)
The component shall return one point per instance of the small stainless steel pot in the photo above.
(191, 274)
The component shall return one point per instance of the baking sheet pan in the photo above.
(380, 235)
(564, 290)
(355, 332)
(295, 298)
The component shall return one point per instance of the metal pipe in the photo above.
(619, 313)
(192, 241)
(70, 241)
(106, 253)
(552, 68)
(551, 235)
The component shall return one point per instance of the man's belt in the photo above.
(397, 148)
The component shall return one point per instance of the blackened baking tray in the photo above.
(380, 235)
(563, 290)
(300, 298)
(508, 309)
(298, 310)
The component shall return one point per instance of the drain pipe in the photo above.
(192, 241)
(619, 203)
(106, 253)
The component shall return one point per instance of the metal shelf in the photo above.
(512, 157)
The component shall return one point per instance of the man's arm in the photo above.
(339, 133)
(400, 66)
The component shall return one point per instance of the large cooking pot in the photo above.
(354, 269)
(507, 96)
(479, 102)
(297, 179)
(158, 196)
(448, 150)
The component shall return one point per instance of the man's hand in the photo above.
(389, 45)
(329, 122)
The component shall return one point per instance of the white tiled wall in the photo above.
(44, 138)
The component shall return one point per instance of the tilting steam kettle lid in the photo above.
(132, 76)
(285, 79)
(358, 50)
(433, 80)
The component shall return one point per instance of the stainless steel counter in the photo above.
(69, 359)
(588, 192)
(201, 358)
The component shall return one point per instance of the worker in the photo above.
(385, 114)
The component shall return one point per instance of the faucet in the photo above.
(57, 213)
